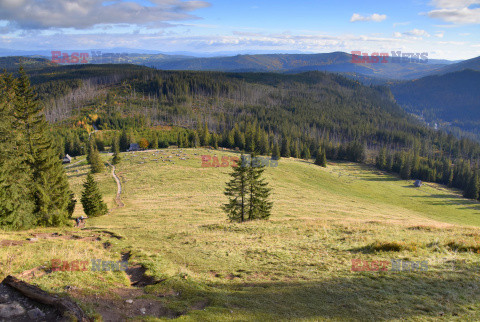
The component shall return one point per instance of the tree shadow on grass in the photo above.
(76, 165)
(366, 296)
(380, 178)
(450, 200)
(79, 175)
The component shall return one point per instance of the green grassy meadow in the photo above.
(295, 266)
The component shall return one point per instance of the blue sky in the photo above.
(447, 29)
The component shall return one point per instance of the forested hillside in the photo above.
(451, 99)
(283, 115)
(473, 64)
(13, 63)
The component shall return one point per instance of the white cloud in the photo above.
(456, 11)
(396, 24)
(417, 32)
(456, 43)
(83, 14)
(439, 34)
(414, 33)
(237, 41)
(453, 3)
(374, 17)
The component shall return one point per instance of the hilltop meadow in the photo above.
(188, 262)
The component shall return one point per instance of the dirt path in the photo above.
(119, 187)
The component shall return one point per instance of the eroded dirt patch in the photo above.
(126, 304)
(34, 272)
(12, 242)
(38, 236)
(136, 273)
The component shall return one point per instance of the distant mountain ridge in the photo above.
(338, 62)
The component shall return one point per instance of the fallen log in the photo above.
(63, 305)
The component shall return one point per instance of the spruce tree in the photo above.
(16, 202)
(231, 139)
(179, 140)
(196, 140)
(78, 148)
(124, 141)
(406, 167)
(214, 141)
(92, 201)
(248, 192)
(389, 163)
(285, 152)
(205, 135)
(296, 151)
(381, 160)
(237, 192)
(93, 158)
(473, 189)
(71, 205)
(116, 150)
(306, 153)
(259, 206)
(263, 145)
(251, 144)
(154, 142)
(276, 152)
(50, 191)
(239, 138)
(321, 158)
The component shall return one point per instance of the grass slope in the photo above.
(297, 265)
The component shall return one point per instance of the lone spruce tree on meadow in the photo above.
(92, 200)
(248, 193)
